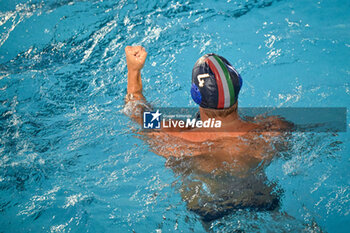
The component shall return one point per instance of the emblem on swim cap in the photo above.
(215, 81)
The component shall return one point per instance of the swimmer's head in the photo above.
(215, 83)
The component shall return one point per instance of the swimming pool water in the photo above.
(69, 158)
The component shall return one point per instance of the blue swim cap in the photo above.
(215, 83)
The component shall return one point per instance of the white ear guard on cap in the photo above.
(200, 79)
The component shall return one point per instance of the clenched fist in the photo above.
(135, 57)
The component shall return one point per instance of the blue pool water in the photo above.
(69, 158)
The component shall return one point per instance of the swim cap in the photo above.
(215, 83)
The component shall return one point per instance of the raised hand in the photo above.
(135, 57)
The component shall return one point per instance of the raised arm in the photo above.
(135, 59)
(135, 102)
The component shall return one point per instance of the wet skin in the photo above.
(238, 154)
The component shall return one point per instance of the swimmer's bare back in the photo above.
(240, 144)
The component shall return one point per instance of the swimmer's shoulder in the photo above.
(276, 124)
(204, 136)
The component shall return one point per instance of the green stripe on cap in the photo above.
(228, 79)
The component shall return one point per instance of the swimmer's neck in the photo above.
(230, 118)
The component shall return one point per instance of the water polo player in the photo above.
(236, 150)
